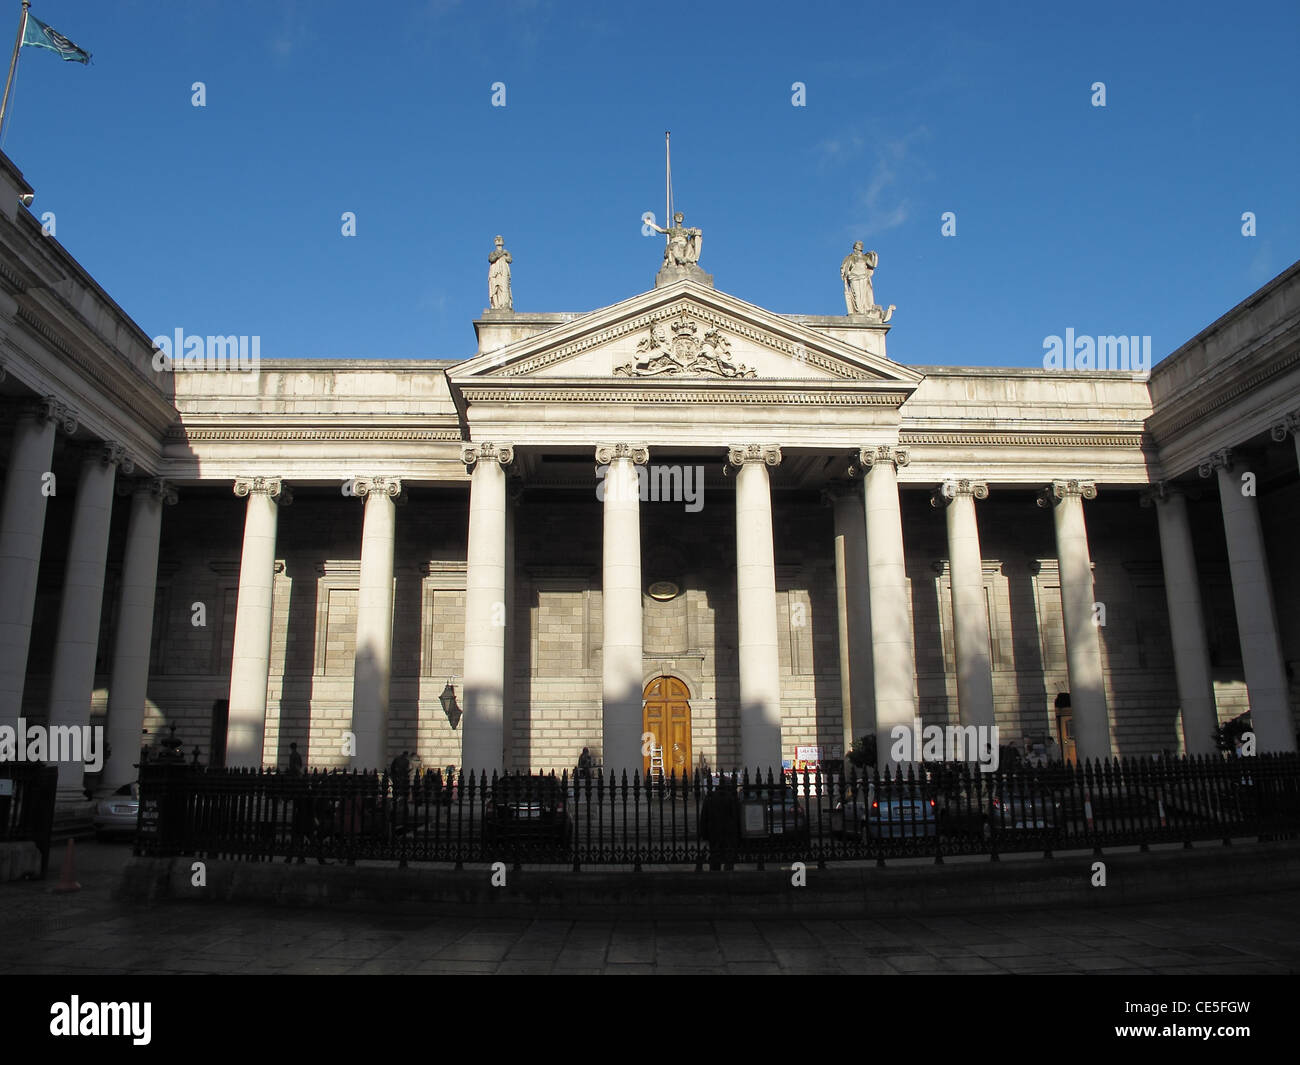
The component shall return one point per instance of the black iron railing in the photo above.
(753, 819)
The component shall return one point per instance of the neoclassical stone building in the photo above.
(742, 532)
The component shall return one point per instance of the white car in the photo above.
(119, 813)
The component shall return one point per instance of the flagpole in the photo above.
(668, 181)
(13, 64)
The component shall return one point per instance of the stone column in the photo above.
(1186, 618)
(72, 676)
(892, 650)
(853, 602)
(483, 725)
(373, 665)
(1290, 423)
(1082, 635)
(970, 616)
(133, 634)
(760, 663)
(621, 674)
(22, 527)
(1252, 591)
(250, 665)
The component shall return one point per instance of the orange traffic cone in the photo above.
(68, 876)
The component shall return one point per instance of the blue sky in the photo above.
(226, 219)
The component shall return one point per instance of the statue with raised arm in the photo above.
(683, 243)
(499, 296)
(856, 271)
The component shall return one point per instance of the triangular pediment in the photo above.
(683, 332)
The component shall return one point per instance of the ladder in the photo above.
(656, 763)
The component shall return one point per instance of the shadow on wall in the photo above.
(299, 659)
(1027, 650)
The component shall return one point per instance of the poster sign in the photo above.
(148, 817)
(753, 819)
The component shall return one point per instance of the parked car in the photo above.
(119, 814)
(885, 811)
(527, 809)
(1019, 809)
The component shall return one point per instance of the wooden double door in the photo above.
(666, 716)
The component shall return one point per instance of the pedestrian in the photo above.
(720, 824)
(584, 763)
(400, 771)
(305, 827)
(295, 760)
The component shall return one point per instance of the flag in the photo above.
(39, 35)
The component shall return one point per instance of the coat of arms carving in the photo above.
(685, 354)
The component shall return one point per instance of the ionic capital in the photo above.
(162, 490)
(269, 486)
(952, 488)
(51, 409)
(638, 453)
(769, 455)
(1160, 492)
(107, 453)
(1290, 423)
(1219, 460)
(1059, 491)
(869, 457)
(385, 486)
(473, 454)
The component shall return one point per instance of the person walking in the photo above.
(720, 824)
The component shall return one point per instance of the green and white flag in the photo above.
(39, 35)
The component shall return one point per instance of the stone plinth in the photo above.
(667, 275)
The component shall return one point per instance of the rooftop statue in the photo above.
(499, 296)
(683, 247)
(856, 271)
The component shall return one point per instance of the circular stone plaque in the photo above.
(663, 590)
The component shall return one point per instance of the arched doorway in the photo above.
(667, 717)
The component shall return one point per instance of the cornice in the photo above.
(914, 437)
(1219, 396)
(182, 434)
(599, 394)
(106, 367)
